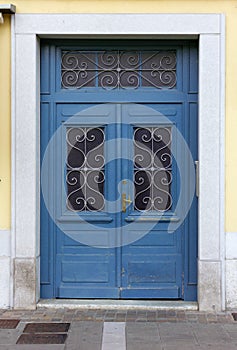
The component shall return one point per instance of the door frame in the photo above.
(26, 32)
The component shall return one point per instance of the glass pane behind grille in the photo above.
(118, 69)
(152, 168)
(78, 70)
(85, 169)
(159, 69)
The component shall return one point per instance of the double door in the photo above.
(117, 220)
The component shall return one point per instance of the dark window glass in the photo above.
(85, 169)
(152, 168)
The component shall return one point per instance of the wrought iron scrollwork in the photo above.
(85, 169)
(152, 168)
(118, 69)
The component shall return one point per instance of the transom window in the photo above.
(118, 69)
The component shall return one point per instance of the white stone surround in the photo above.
(5, 253)
(25, 123)
(231, 270)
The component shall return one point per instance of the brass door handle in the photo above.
(124, 201)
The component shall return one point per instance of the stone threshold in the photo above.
(103, 304)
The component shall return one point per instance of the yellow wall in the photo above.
(120, 6)
(229, 7)
(5, 124)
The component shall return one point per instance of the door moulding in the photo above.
(26, 32)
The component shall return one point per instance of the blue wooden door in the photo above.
(151, 265)
(115, 129)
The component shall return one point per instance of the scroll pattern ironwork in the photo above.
(118, 69)
(85, 169)
(152, 168)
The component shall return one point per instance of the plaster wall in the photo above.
(212, 248)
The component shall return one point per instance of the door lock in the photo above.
(124, 201)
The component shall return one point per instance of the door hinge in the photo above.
(123, 271)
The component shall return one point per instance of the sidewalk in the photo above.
(116, 330)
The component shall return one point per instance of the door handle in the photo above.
(197, 177)
(124, 201)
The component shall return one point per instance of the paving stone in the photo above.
(218, 347)
(169, 329)
(161, 313)
(211, 334)
(230, 327)
(142, 336)
(146, 330)
(181, 346)
(231, 330)
(114, 347)
(121, 316)
(85, 336)
(181, 333)
(111, 315)
(114, 336)
(143, 346)
(8, 337)
(179, 341)
(171, 313)
(202, 318)
(212, 319)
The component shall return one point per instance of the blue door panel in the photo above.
(156, 241)
(154, 265)
(84, 271)
(150, 272)
(153, 262)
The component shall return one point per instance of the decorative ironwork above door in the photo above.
(118, 69)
